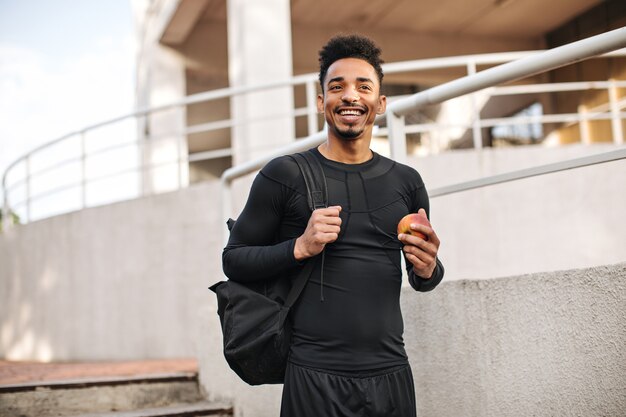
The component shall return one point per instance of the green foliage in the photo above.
(15, 219)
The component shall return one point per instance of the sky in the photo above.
(64, 65)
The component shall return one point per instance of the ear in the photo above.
(382, 104)
(320, 103)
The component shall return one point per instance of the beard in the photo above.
(349, 133)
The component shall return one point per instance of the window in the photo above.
(529, 129)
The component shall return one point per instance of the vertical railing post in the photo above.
(83, 171)
(616, 121)
(397, 137)
(476, 127)
(583, 125)
(143, 149)
(179, 160)
(6, 222)
(226, 207)
(311, 103)
(27, 168)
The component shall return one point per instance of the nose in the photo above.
(350, 96)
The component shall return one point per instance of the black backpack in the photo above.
(255, 329)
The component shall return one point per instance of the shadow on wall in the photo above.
(116, 282)
(20, 336)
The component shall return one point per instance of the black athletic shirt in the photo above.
(359, 324)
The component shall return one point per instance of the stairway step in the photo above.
(183, 410)
(98, 381)
(17, 372)
(99, 395)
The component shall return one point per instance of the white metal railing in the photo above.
(584, 161)
(396, 112)
(511, 71)
(527, 63)
(609, 111)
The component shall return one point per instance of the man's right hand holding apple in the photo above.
(421, 245)
(323, 228)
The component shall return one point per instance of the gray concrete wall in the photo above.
(546, 344)
(129, 281)
(570, 219)
(122, 281)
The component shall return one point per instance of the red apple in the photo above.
(412, 218)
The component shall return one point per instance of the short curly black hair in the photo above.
(350, 46)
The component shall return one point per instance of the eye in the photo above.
(366, 87)
(334, 87)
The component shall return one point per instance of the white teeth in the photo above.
(350, 113)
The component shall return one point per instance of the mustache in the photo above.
(350, 106)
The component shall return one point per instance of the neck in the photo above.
(354, 151)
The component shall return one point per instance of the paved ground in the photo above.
(23, 372)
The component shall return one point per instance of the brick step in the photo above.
(102, 395)
(186, 410)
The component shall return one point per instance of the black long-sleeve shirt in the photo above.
(359, 324)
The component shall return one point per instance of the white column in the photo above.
(162, 81)
(259, 50)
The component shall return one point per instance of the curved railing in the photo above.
(84, 156)
(523, 67)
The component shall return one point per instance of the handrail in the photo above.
(523, 67)
(310, 80)
(388, 68)
(511, 71)
(584, 161)
(515, 70)
(251, 166)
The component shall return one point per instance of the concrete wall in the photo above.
(546, 344)
(570, 219)
(129, 281)
(122, 281)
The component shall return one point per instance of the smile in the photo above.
(351, 112)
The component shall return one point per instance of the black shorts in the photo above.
(319, 393)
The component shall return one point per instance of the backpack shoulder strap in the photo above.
(313, 174)
(317, 197)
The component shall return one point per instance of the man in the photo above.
(347, 356)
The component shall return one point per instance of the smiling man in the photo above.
(347, 356)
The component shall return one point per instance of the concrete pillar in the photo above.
(160, 81)
(165, 148)
(259, 51)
